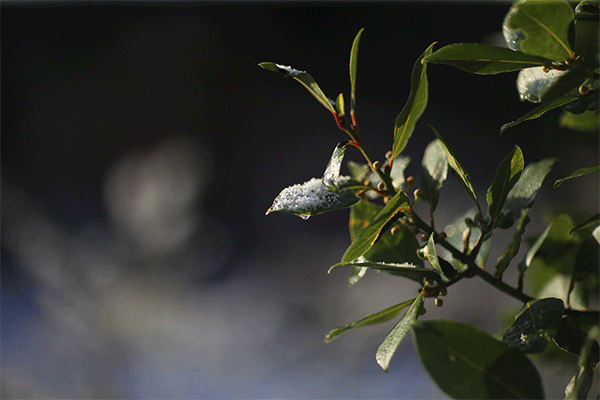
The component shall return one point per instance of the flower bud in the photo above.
(438, 302)
(410, 181)
(418, 193)
(376, 165)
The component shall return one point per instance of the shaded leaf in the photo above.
(539, 111)
(371, 319)
(523, 193)
(588, 121)
(415, 105)
(467, 363)
(435, 172)
(393, 210)
(581, 383)
(399, 246)
(591, 221)
(513, 247)
(535, 324)
(455, 232)
(312, 198)
(406, 270)
(390, 344)
(462, 175)
(586, 261)
(577, 174)
(353, 66)
(571, 338)
(485, 59)
(305, 80)
(540, 27)
(507, 175)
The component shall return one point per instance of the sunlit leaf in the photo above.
(406, 270)
(332, 172)
(305, 80)
(468, 363)
(539, 111)
(339, 105)
(461, 174)
(415, 105)
(540, 27)
(393, 210)
(523, 193)
(577, 174)
(507, 175)
(388, 347)
(588, 121)
(312, 198)
(435, 172)
(485, 59)
(353, 66)
(432, 256)
(535, 324)
(371, 319)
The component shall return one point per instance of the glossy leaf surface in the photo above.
(406, 270)
(388, 347)
(485, 59)
(435, 172)
(540, 27)
(461, 174)
(535, 324)
(513, 246)
(468, 363)
(353, 67)
(305, 80)
(393, 210)
(371, 319)
(507, 175)
(523, 193)
(332, 172)
(415, 106)
(312, 198)
(539, 111)
(432, 256)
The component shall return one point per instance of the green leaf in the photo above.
(577, 174)
(513, 247)
(339, 105)
(571, 338)
(415, 106)
(393, 247)
(305, 80)
(581, 383)
(586, 260)
(523, 193)
(535, 324)
(353, 65)
(539, 111)
(312, 198)
(332, 172)
(393, 210)
(507, 175)
(461, 174)
(467, 363)
(540, 27)
(432, 256)
(588, 121)
(371, 319)
(591, 221)
(485, 59)
(406, 270)
(388, 347)
(435, 172)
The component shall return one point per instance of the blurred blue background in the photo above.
(141, 147)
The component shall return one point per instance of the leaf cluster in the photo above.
(550, 45)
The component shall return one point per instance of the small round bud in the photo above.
(429, 282)
(469, 222)
(422, 311)
(443, 291)
(477, 217)
(368, 182)
(421, 254)
(385, 200)
(410, 181)
(394, 230)
(381, 186)
(583, 89)
(438, 302)
(424, 237)
(442, 236)
(376, 165)
(414, 229)
(388, 155)
(418, 193)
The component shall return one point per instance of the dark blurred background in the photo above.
(141, 147)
